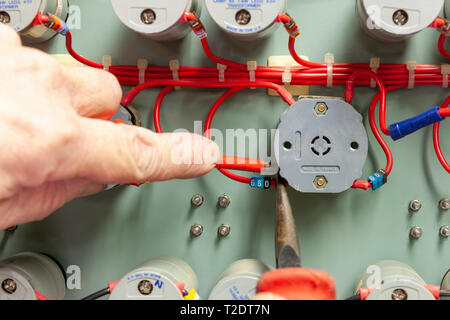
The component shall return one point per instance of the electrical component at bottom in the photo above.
(445, 284)
(321, 145)
(31, 276)
(245, 20)
(20, 15)
(157, 19)
(160, 278)
(239, 280)
(396, 20)
(392, 280)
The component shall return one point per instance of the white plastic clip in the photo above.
(287, 76)
(329, 60)
(142, 65)
(374, 66)
(411, 66)
(107, 62)
(251, 67)
(174, 67)
(445, 70)
(221, 68)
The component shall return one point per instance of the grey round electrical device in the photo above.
(245, 20)
(19, 15)
(157, 19)
(397, 20)
(321, 145)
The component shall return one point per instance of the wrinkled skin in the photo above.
(57, 146)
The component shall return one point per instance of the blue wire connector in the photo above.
(378, 179)
(402, 129)
(260, 182)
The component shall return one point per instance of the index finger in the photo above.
(9, 38)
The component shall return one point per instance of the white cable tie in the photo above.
(142, 65)
(445, 70)
(287, 76)
(174, 67)
(251, 67)
(329, 60)
(107, 62)
(411, 66)
(374, 66)
(221, 68)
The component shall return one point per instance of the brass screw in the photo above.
(145, 287)
(321, 108)
(243, 17)
(400, 17)
(320, 182)
(148, 16)
(5, 17)
(399, 294)
(9, 286)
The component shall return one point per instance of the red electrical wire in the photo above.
(77, 56)
(441, 46)
(157, 110)
(436, 140)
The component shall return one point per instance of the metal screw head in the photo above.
(321, 109)
(415, 206)
(145, 287)
(197, 200)
(4, 17)
(243, 17)
(197, 230)
(416, 232)
(224, 230)
(399, 294)
(320, 182)
(9, 286)
(148, 16)
(444, 231)
(444, 204)
(224, 201)
(400, 17)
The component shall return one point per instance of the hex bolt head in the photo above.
(9, 286)
(415, 206)
(320, 182)
(224, 230)
(148, 16)
(444, 204)
(197, 200)
(416, 232)
(399, 294)
(224, 201)
(321, 108)
(145, 287)
(5, 17)
(444, 232)
(197, 230)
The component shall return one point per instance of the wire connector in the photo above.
(198, 28)
(374, 66)
(142, 65)
(378, 179)
(329, 61)
(445, 71)
(260, 182)
(174, 66)
(411, 66)
(56, 24)
(106, 62)
(292, 27)
(251, 67)
(221, 68)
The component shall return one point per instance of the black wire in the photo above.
(357, 297)
(445, 294)
(98, 294)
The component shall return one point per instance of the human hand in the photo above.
(57, 146)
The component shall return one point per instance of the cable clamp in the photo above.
(221, 68)
(107, 62)
(445, 70)
(411, 66)
(142, 65)
(329, 61)
(251, 67)
(174, 67)
(374, 66)
(287, 76)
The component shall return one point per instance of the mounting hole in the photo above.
(287, 145)
(354, 145)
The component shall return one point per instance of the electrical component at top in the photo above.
(321, 145)
(396, 20)
(160, 20)
(245, 20)
(23, 17)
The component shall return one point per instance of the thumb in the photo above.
(111, 153)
